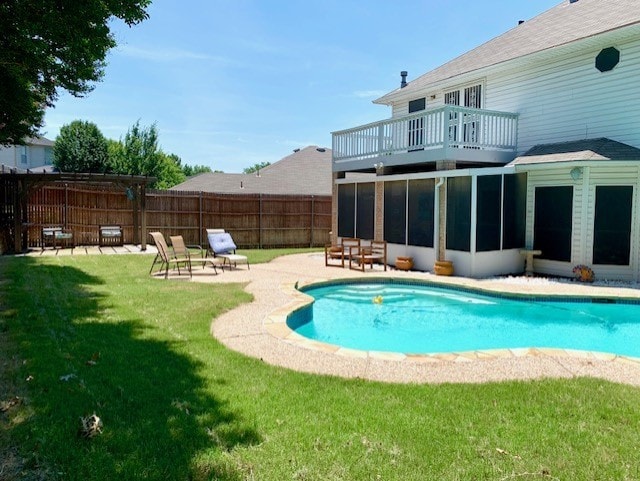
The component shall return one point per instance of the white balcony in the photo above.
(447, 133)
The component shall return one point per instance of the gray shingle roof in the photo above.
(578, 150)
(563, 24)
(305, 172)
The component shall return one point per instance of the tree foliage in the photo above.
(81, 147)
(191, 170)
(256, 167)
(48, 45)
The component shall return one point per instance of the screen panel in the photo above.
(365, 210)
(395, 211)
(514, 211)
(612, 225)
(553, 222)
(421, 219)
(459, 213)
(346, 210)
(488, 213)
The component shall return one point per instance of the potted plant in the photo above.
(443, 268)
(583, 273)
(404, 263)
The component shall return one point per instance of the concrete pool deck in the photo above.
(258, 329)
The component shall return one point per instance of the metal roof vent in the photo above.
(320, 149)
(573, 1)
(403, 83)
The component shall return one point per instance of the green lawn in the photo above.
(95, 334)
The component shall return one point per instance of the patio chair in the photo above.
(336, 254)
(375, 252)
(183, 251)
(56, 236)
(221, 246)
(165, 258)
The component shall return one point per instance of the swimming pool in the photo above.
(421, 319)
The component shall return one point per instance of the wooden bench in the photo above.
(110, 235)
(56, 236)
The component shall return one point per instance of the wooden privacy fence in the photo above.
(254, 220)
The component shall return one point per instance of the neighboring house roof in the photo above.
(305, 172)
(40, 141)
(578, 150)
(563, 24)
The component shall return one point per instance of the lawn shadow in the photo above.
(159, 418)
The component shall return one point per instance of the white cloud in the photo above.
(166, 54)
(365, 94)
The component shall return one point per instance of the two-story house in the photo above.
(36, 153)
(531, 140)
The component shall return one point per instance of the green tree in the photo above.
(170, 172)
(256, 167)
(191, 170)
(139, 154)
(48, 45)
(81, 147)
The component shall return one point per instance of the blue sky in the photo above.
(230, 84)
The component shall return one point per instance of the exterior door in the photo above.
(416, 126)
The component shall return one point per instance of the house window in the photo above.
(459, 213)
(514, 211)
(395, 211)
(612, 225)
(365, 210)
(23, 154)
(346, 210)
(607, 59)
(553, 222)
(488, 215)
(420, 212)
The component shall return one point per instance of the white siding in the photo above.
(8, 156)
(584, 191)
(569, 99)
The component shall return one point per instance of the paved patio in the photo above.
(258, 329)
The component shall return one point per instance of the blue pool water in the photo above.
(423, 319)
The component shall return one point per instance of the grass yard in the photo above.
(95, 334)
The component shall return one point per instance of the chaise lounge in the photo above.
(221, 246)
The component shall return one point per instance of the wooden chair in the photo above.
(340, 252)
(375, 252)
(165, 257)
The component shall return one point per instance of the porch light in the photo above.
(576, 173)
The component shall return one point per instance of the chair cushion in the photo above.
(221, 243)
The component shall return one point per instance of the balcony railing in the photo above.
(444, 127)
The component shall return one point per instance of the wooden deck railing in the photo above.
(444, 127)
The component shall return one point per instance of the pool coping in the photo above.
(275, 323)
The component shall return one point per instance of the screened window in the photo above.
(514, 211)
(365, 210)
(459, 213)
(346, 210)
(421, 206)
(489, 208)
(612, 225)
(552, 225)
(395, 211)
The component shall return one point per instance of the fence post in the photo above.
(200, 226)
(313, 219)
(260, 223)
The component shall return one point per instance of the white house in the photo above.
(36, 153)
(531, 140)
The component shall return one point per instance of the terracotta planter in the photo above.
(404, 263)
(443, 268)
